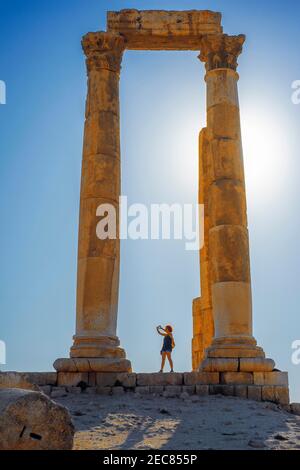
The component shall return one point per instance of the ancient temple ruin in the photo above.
(224, 351)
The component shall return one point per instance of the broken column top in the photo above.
(164, 30)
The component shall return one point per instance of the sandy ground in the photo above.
(215, 422)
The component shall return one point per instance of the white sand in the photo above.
(215, 422)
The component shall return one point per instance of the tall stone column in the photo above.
(229, 266)
(203, 324)
(96, 346)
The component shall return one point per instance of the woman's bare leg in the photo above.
(170, 360)
(163, 360)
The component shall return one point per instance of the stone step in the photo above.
(276, 393)
(266, 386)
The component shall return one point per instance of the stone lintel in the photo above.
(164, 30)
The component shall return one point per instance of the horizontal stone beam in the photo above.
(163, 30)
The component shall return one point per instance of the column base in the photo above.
(97, 346)
(94, 354)
(94, 364)
(236, 354)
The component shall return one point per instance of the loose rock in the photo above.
(29, 420)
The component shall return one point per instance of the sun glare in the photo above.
(265, 149)
(265, 152)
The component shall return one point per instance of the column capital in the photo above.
(221, 51)
(103, 50)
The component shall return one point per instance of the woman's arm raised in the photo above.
(158, 328)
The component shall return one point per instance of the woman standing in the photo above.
(168, 345)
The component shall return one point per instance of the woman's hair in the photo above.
(169, 328)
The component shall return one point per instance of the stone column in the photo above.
(203, 325)
(229, 265)
(96, 346)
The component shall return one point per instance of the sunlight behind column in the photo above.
(265, 156)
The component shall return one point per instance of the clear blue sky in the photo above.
(162, 111)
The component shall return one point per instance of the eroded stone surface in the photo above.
(27, 380)
(233, 378)
(241, 391)
(164, 30)
(72, 379)
(199, 378)
(256, 364)
(277, 394)
(220, 365)
(159, 379)
(270, 386)
(254, 393)
(203, 322)
(31, 421)
(271, 378)
(221, 51)
(92, 365)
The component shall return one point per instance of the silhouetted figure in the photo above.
(168, 345)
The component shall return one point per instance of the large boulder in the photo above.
(29, 420)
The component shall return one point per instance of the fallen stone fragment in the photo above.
(29, 420)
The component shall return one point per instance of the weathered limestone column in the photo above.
(203, 324)
(96, 346)
(229, 265)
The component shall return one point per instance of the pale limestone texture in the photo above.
(233, 351)
(268, 386)
(31, 421)
(163, 30)
(27, 380)
(203, 324)
(96, 345)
